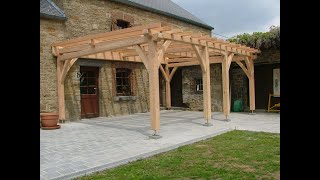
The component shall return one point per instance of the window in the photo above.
(88, 81)
(120, 24)
(199, 85)
(123, 82)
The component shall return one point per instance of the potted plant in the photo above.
(49, 120)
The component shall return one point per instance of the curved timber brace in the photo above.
(63, 68)
(249, 71)
(202, 53)
(168, 77)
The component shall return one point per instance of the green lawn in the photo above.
(233, 155)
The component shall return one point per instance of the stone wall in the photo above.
(50, 32)
(239, 86)
(193, 99)
(92, 17)
(109, 106)
(95, 16)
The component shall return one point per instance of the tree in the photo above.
(260, 40)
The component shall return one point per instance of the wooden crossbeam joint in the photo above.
(142, 56)
(164, 73)
(200, 56)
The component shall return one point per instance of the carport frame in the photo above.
(150, 44)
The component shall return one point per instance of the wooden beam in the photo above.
(229, 59)
(206, 85)
(184, 64)
(199, 57)
(192, 62)
(195, 41)
(107, 47)
(225, 88)
(66, 67)
(174, 37)
(247, 61)
(174, 31)
(85, 46)
(55, 50)
(160, 29)
(163, 49)
(108, 34)
(61, 100)
(172, 73)
(185, 33)
(251, 84)
(142, 56)
(178, 60)
(154, 85)
(171, 50)
(164, 73)
(245, 70)
(168, 88)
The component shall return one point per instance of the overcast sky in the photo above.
(232, 17)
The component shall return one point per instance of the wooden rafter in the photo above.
(180, 62)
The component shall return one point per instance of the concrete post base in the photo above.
(155, 136)
(207, 124)
(62, 121)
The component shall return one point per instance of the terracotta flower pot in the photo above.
(49, 120)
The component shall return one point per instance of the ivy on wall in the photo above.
(260, 40)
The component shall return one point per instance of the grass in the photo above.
(233, 155)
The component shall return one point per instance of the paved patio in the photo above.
(91, 145)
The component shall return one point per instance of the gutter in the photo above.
(53, 17)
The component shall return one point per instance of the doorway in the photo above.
(263, 84)
(89, 91)
(176, 89)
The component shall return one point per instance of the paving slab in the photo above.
(91, 145)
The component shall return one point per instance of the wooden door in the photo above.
(89, 92)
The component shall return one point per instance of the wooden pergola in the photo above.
(159, 45)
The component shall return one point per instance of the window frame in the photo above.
(124, 79)
(116, 24)
(198, 82)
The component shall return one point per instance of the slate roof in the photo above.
(164, 7)
(167, 8)
(49, 10)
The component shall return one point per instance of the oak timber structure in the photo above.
(159, 46)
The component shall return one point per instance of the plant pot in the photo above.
(49, 120)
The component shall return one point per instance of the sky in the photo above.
(233, 17)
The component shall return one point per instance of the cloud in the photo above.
(232, 17)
